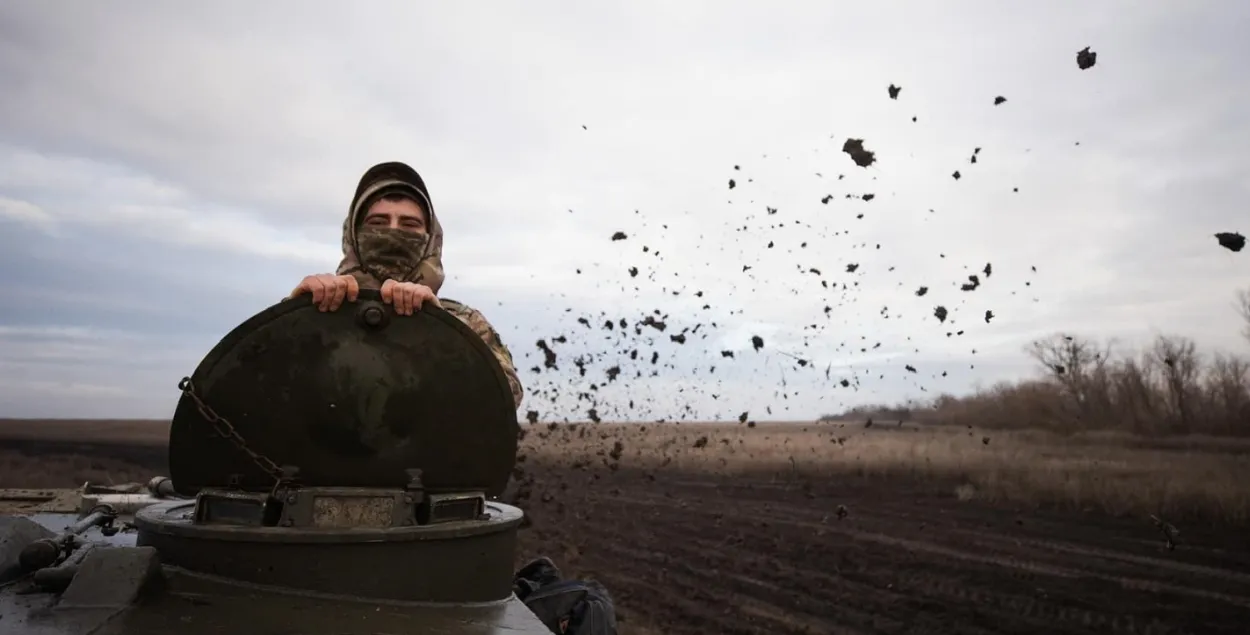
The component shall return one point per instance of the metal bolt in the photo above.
(373, 316)
(291, 499)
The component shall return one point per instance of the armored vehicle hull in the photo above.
(333, 474)
(128, 591)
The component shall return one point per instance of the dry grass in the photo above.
(21, 470)
(37, 453)
(119, 431)
(1177, 478)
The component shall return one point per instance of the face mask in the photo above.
(389, 253)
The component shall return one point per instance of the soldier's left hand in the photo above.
(408, 297)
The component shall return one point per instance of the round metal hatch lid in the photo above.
(352, 398)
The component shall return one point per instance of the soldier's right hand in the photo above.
(328, 290)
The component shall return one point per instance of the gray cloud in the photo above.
(166, 173)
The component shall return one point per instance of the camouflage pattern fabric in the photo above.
(484, 330)
(405, 256)
(393, 254)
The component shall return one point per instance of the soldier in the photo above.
(391, 222)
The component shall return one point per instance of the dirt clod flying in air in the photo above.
(1231, 241)
(549, 355)
(847, 299)
(855, 147)
(631, 360)
(1086, 58)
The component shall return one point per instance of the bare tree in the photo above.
(1076, 364)
(1228, 389)
(1180, 365)
(1137, 401)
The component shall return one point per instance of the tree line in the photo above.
(1167, 388)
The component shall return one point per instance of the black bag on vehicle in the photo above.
(567, 607)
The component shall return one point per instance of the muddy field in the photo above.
(833, 529)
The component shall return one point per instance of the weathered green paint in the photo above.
(358, 405)
(349, 404)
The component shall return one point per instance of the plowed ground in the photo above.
(750, 547)
(717, 553)
(703, 553)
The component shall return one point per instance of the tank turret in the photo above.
(329, 473)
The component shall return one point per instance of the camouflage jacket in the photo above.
(484, 330)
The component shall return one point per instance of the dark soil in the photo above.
(716, 553)
(754, 553)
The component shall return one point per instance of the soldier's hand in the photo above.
(408, 297)
(328, 290)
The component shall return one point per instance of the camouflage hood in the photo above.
(391, 253)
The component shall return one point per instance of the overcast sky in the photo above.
(168, 171)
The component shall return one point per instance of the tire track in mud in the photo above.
(854, 594)
(1018, 545)
(999, 551)
(741, 556)
(713, 578)
(877, 591)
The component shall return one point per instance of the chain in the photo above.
(226, 430)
